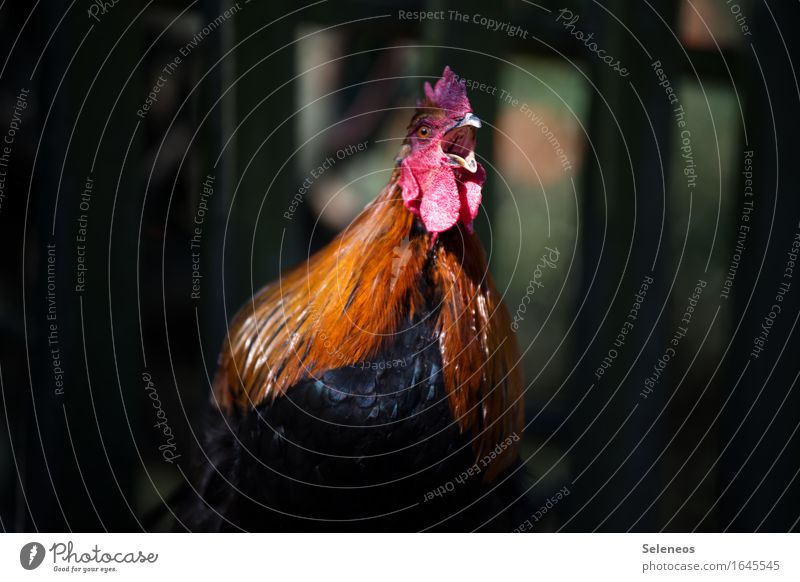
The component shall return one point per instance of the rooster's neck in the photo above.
(333, 310)
(345, 303)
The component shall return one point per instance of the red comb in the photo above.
(450, 94)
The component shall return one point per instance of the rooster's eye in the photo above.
(424, 131)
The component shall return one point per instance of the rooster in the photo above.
(376, 386)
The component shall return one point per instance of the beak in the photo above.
(469, 119)
(460, 148)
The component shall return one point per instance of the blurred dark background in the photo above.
(581, 158)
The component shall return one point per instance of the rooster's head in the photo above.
(440, 179)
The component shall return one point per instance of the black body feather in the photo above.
(361, 448)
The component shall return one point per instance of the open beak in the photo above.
(459, 143)
(470, 119)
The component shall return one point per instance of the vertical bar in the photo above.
(626, 174)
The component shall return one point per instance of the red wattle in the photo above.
(440, 195)
(470, 186)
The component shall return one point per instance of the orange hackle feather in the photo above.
(480, 356)
(334, 310)
(348, 300)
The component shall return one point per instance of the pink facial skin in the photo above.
(434, 186)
